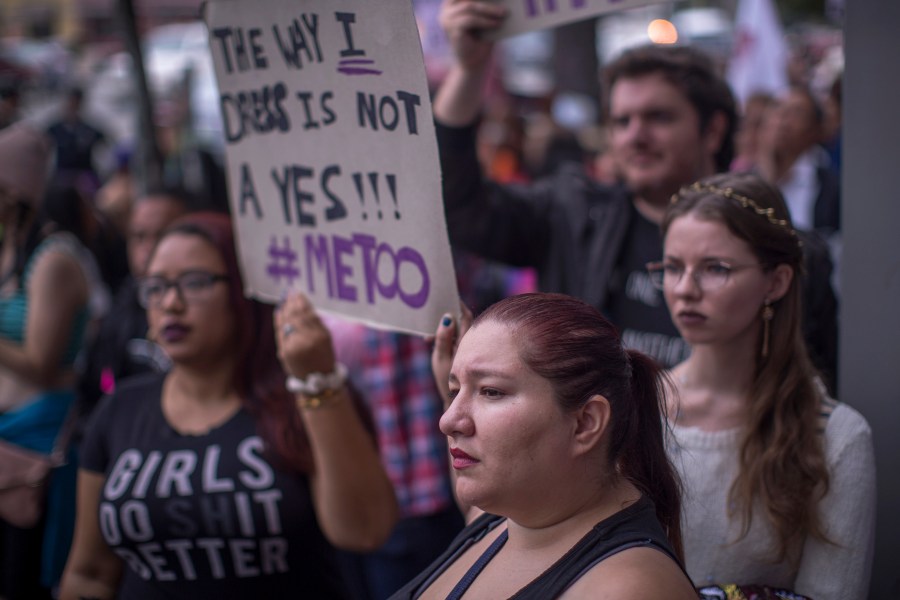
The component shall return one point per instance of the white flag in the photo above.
(760, 54)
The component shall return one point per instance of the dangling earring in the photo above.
(767, 313)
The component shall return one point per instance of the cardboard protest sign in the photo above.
(531, 15)
(332, 157)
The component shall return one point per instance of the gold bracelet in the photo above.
(326, 398)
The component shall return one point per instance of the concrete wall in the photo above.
(870, 310)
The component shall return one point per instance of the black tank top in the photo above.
(631, 527)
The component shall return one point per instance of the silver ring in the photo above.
(287, 329)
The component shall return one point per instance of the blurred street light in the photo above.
(661, 31)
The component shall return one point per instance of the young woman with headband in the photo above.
(779, 479)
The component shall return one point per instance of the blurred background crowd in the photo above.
(545, 106)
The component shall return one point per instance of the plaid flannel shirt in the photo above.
(392, 372)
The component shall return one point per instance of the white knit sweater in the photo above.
(707, 463)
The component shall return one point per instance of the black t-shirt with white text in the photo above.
(636, 307)
(201, 516)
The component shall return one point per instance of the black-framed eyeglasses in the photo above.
(192, 287)
(708, 275)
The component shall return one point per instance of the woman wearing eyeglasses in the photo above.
(778, 478)
(214, 481)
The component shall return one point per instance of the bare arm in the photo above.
(352, 495)
(57, 289)
(92, 570)
(458, 101)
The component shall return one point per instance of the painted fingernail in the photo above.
(446, 321)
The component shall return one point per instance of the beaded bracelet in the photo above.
(316, 383)
(326, 398)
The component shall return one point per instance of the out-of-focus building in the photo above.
(86, 21)
(38, 18)
(99, 17)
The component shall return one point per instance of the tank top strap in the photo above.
(478, 566)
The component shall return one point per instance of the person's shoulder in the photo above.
(571, 181)
(133, 395)
(131, 402)
(577, 174)
(848, 422)
(57, 259)
(848, 436)
(641, 573)
(610, 193)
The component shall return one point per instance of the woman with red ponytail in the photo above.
(556, 441)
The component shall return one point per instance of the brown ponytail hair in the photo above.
(782, 459)
(569, 343)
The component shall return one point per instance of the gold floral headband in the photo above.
(768, 213)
